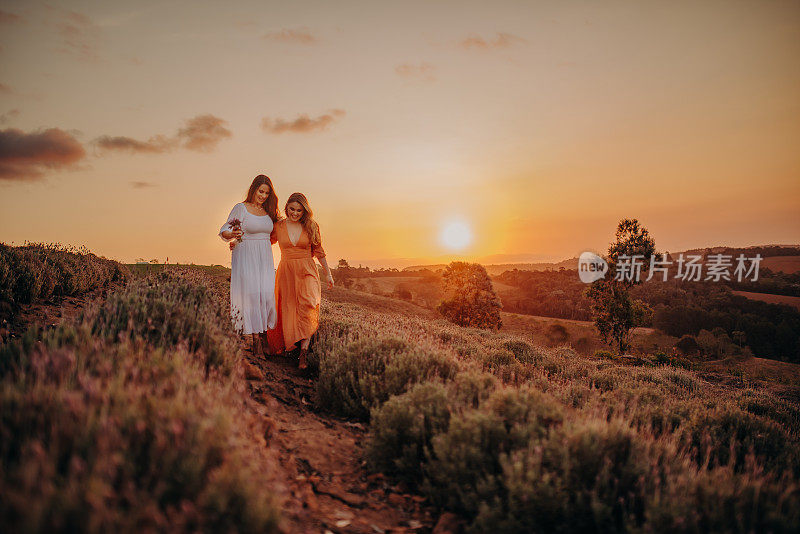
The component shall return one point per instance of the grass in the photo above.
(133, 418)
(37, 271)
(517, 437)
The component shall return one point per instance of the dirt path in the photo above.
(330, 488)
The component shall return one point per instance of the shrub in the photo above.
(605, 354)
(625, 455)
(688, 345)
(165, 310)
(363, 374)
(724, 435)
(587, 476)
(463, 471)
(523, 351)
(39, 271)
(128, 431)
(556, 333)
(402, 428)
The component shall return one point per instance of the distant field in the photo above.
(142, 269)
(500, 268)
(581, 335)
(786, 264)
(771, 299)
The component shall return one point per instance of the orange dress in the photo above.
(298, 292)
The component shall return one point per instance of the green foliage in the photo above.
(470, 298)
(631, 239)
(615, 312)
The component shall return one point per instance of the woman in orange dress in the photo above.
(297, 284)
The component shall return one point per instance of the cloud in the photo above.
(79, 34)
(423, 71)
(8, 115)
(503, 40)
(9, 18)
(201, 133)
(142, 185)
(298, 36)
(5, 89)
(25, 156)
(155, 144)
(302, 124)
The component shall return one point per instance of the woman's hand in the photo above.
(330, 281)
(231, 234)
(232, 245)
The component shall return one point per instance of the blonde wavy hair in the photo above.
(307, 220)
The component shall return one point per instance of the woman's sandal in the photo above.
(303, 360)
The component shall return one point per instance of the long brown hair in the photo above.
(307, 220)
(271, 204)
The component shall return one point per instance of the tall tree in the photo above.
(615, 313)
(344, 276)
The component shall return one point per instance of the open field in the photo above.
(786, 264)
(772, 299)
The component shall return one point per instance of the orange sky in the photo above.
(134, 129)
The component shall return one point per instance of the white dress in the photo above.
(252, 273)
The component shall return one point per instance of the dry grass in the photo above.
(133, 418)
(523, 437)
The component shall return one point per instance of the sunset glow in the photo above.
(134, 128)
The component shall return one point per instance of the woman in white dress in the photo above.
(252, 266)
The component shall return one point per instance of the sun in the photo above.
(455, 235)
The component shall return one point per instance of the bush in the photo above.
(551, 441)
(725, 435)
(688, 345)
(363, 374)
(605, 354)
(523, 351)
(130, 431)
(556, 333)
(402, 428)
(168, 309)
(40, 271)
